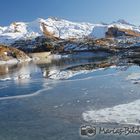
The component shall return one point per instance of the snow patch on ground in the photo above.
(99, 31)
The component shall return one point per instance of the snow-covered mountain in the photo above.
(60, 28)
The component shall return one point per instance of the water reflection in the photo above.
(69, 67)
(7, 69)
(18, 73)
(63, 67)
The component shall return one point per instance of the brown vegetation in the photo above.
(7, 53)
(116, 32)
(131, 32)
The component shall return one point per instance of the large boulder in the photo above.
(114, 32)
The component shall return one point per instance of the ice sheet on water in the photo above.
(3, 86)
(134, 77)
(45, 88)
(122, 114)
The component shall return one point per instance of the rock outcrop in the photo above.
(116, 32)
(9, 55)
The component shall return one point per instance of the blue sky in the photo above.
(94, 11)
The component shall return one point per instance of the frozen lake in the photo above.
(51, 100)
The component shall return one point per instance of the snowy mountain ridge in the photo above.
(61, 28)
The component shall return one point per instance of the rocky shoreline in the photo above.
(110, 46)
(44, 46)
(9, 55)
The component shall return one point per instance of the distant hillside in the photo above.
(59, 35)
(64, 29)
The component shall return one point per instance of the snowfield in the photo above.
(59, 28)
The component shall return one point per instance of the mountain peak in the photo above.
(61, 28)
(122, 21)
(55, 18)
